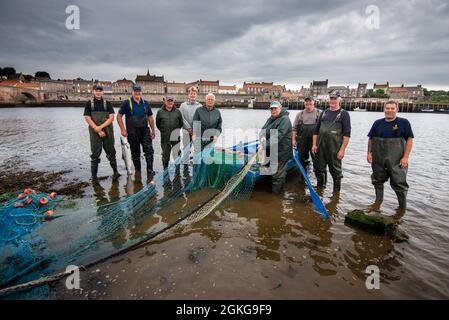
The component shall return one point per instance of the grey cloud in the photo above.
(283, 41)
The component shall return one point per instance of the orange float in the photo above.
(28, 200)
(53, 195)
(18, 205)
(49, 213)
(21, 196)
(28, 191)
(43, 201)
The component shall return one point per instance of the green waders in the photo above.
(387, 153)
(278, 179)
(330, 139)
(97, 143)
(167, 149)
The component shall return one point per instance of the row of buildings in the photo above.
(156, 84)
(322, 88)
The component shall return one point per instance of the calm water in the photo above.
(267, 247)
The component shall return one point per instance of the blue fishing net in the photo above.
(35, 244)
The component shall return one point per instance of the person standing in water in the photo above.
(389, 146)
(99, 115)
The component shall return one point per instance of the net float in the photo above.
(49, 213)
(43, 201)
(28, 191)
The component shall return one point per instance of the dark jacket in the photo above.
(284, 127)
(209, 119)
(167, 121)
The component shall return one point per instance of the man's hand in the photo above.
(340, 154)
(214, 138)
(294, 143)
(102, 134)
(98, 129)
(404, 162)
(314, 149)
(190, 131)
(152, 135)
(124, 133)
(369, 157)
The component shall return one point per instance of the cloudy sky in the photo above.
(286, 41)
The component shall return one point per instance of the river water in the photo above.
(271, 247)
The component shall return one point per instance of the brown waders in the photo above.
(387, 154)
(304, 139)
(97, 143)
(330, 139)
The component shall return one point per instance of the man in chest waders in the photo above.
(330, 139)
(138, 115)
(279, 121)
(99, 115)
(389, 146)
(302, 136)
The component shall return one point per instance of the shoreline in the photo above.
(417, 108)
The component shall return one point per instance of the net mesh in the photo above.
(38, 240)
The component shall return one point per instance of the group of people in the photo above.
(321, 136)
(139, 127)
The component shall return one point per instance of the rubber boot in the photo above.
(402, 199)
(137, 165)
(150, 171)
(94, 171)
(379, 193)
(276, 188)
(337, 186)
(320, 178)
(115, 174)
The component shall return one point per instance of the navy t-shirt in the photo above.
(98, 106)
(141, 109)
(399, 127)
(331, 116)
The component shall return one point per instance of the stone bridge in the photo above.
(21, 94)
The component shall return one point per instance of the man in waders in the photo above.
(330, 139)
(303, 127)
(99, 115)
(169, 122)
(389, 146)
(279, 121)
(138, 116)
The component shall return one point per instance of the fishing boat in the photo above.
(427, 110)
(359, 109)
(250, 149)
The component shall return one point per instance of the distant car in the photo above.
(62, 98)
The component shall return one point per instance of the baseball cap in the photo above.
(275, 104)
